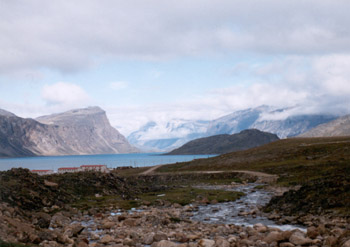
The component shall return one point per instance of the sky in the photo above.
(161, 60)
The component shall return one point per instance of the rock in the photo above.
(286, 244)
(50, 184)
(181, 237)
(159, 237)
(81, 244)
(273, 237)
(331, 240)
(222, 243)
(108, 224)
(346, 244)
(130, 222)
(73, 230)
(129, 242)
(42, 219)
(260, 228)
(312, 232)
(58, 220)
(148, 239)
(166, 243)
(106, 239)
(49, 244)
(298, 238)
(206, 243)
(193, 237)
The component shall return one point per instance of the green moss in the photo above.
(187, 195)
(182, 196)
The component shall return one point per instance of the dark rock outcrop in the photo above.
(221, 144)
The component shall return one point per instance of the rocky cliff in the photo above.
(338, 127)
(220, 144)
(82, 131)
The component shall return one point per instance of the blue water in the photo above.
(111, 160)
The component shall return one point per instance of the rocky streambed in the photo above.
(238, 223)
(201, 224)
(245, 211)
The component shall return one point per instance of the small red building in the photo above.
(96, 168)
(68, 169)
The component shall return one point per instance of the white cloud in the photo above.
(64, 94)
(70, 36)
(118, 85)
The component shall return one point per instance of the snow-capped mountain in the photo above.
(284, 122)
(268, 119)
(165, 136)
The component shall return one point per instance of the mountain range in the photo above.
(166, 136)
(80, 131)
(221, 144)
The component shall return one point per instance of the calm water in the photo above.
(111, 160)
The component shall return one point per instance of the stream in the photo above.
(240, 211)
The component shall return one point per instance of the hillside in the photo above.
(338, 127)
(319, 165)
(83, 131)
(220, 144)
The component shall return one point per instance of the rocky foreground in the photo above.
(40, 211)
(163, 226)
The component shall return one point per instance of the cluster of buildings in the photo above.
(82, 168)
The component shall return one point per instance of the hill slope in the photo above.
(220, 144)
(319, 165)
(338, 127)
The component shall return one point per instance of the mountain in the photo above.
(338, 127)
(81, 131)
(14, 141)
(220, 144)
(283, 122)
(269, 119)
(87, 131)
(164, 136)
(6, 113)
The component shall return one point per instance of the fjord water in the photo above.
(111, 160)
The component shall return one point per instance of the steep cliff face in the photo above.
(338, 127)
(13, 136)
(83, 131)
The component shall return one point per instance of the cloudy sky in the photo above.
(159, 60)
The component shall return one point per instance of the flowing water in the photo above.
(240, 211)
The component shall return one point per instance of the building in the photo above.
(68, 169)
(43, 172)
(95, 168)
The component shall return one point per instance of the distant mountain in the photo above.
(338, 127)
(171, 135)
(82, 131)
(167, 136)
(220, 144)
(14, 140)
(269, 119)
(6, 113)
